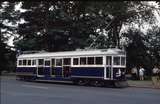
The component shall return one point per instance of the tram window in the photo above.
(99, 60)
(40, 61)
(116, 60)
(83, 60)
(53, 62)
(75, 61)
(20, 62)
(90, 60)
(29, 62)
(24, 62)
(58, 62)
(123, 60)
(47, 63)
(33, 62)
(66, 61)
(108, 60)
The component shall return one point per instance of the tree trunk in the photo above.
(116, 34)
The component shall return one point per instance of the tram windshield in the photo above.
(123, 60)
(116, 60)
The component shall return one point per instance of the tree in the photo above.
(137, 51)
(153, 43)
(67, 20)
(54, 26)
(8, 18)
(122, 13)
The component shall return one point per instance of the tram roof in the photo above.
(110, 51)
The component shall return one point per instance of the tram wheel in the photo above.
(97, 83)
(75, 82)
(82, 82)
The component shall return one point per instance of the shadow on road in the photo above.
(69, 83)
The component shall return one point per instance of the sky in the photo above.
(144, 28)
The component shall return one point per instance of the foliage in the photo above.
(7, 16)
(68, 25)
(137, 51)
(70, 22)
(121, 13)
(153, 43)
(53, 26)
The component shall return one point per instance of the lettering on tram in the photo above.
(98, 67)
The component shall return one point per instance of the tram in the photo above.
(96, 67)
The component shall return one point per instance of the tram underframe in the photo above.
(99, 82)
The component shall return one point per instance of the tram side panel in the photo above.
(47, 72)
(87, 72)
(26, 72)
(51, 73)
(58, 72)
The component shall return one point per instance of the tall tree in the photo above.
(64, 25)
(153, 43)
(137, 50)
(8, 18)
(123, 13)
(54, 26)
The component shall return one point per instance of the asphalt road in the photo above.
(20, 92)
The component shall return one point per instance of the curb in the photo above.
(151, 87)
(8, 74)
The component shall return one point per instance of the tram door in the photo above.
(108, 67)
(40, 68)
(53, 69)
(66, 69)
(47, 67)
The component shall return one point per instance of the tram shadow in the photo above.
(109, 84)
(70, 83)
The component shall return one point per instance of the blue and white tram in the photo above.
(97, 67)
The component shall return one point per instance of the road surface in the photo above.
(20, 92)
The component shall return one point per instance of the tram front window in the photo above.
(123, 60)
(108, 60)
(20, 62)
(116, 60)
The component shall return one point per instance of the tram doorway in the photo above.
(108, 68)
(40, 68)
(108, 74)
(66, 69)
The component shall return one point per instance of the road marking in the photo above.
(32, 86)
